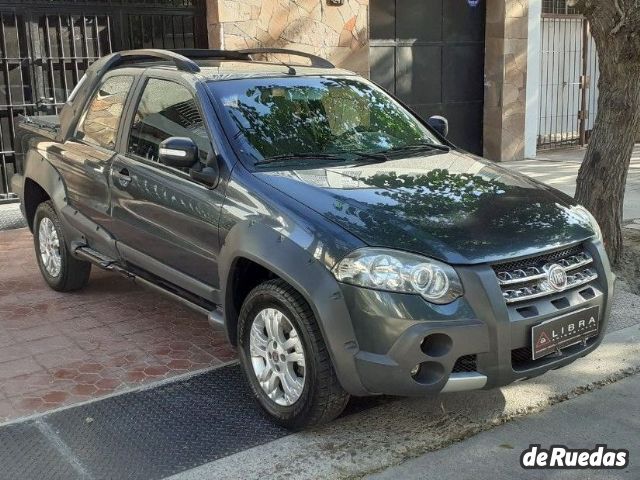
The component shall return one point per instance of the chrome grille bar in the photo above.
(542, 289)
(535, 277)
(532, 273)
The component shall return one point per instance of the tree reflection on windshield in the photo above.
(310, 115)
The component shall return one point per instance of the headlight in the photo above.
(586, 216)
(384, 269)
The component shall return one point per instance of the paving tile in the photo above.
(48, 344)
(26, 405)
(5, 338)
(133, 325)
(78, 324)
(35, 333)
(6, 410)
(56, 397)
(108, 383)
(84, 389)
(34, 382)
(64, 356)
(16, 368)
(12, 352)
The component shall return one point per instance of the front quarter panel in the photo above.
(263, 225)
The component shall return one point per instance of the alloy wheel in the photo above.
(49, 247)
(277, 356)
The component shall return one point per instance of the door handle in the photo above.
(94, 166)
(123, 177)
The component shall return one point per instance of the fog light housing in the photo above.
(428, 373)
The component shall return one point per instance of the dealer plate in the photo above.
(560, 332)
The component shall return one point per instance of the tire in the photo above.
(322, 398)
(66, 273)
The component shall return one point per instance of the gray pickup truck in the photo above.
(343, 243)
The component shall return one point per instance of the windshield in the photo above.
(303, 116)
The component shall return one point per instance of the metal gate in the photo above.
(45, 49)
(569, 78)
(430, 53)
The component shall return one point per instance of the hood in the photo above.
(451, 206)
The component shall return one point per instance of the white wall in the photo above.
(532, 111)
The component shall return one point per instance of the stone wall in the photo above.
(339, 33)
(505, 79)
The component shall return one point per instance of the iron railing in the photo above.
(568, 81)
(46, 47)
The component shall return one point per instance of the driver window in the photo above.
(166, 109)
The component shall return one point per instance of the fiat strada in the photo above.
(344, 244)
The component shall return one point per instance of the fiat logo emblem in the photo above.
(557, 277)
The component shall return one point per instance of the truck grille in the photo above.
(530, 278)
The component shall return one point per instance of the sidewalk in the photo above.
(559, 169)
(58, 349)
(608, 416)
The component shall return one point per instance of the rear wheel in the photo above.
(60, 269)
(285, 359)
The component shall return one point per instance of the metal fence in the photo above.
(568, 81)
(560, 7)
(45, 49)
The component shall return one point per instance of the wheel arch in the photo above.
(273, 252)
(42, 182)
(33, 196)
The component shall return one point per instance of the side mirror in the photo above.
(178, 152)
(439, 124)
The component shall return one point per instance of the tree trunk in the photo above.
(603, 174)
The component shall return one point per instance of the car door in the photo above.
(166, 223)
(84, 159)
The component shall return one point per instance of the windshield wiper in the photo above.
(298, 156)
(338, 156)
(418, 147)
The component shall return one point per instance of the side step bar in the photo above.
(214, 316)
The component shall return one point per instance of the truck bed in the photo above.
(45, 125)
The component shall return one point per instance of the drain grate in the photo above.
(11, 217)
(148, 434)
(140, 435)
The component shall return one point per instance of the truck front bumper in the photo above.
(409, 347)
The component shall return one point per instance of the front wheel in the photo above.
(284, 357)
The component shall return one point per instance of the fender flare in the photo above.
(39, 170)
(276, 252)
